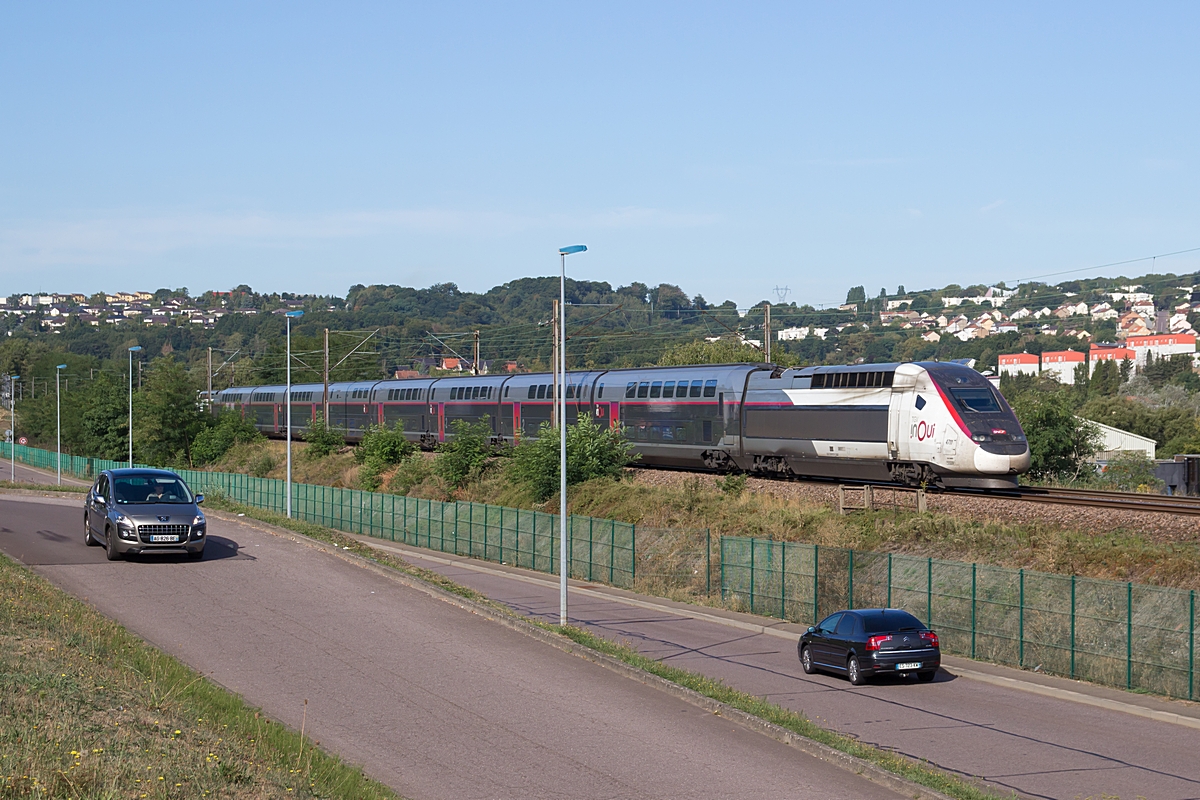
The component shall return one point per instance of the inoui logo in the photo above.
(922, 430)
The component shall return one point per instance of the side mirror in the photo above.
(812, 629)
(199, 499)
(100, 499)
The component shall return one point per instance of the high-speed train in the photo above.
(935, 423)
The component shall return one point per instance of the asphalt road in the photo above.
(1038, 746)
(432, 699)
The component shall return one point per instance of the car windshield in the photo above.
(979, 401)
(134, 489)
(890, 620)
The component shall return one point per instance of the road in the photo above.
(1036, 745)
(430, 698)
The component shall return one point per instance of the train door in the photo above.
(516, 421)
(614, 415)
(275, 410)
(898, 425)
(441, 421)
(379, 408)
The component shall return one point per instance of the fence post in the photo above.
(929, 592)
(708, 562)
(632, 554)
(1072, 626)
(751, 574)
(612, 552)
(783, 580)
(973, 610)
(1191, 640)
(1021, 621)
(591, 547)
(889, 579)
(816, 582)
(850, 581)
(501, 534)
(1129, 635)
(722, 569)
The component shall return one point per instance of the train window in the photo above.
(600, 391)
(667, 432)
(570, 391)
(630, 389)
(656, 389)
(669, 389)
(410, 394)
(475, 393)
(710, 388)
(681, 434)
(643, 388)
(506, 391)
(818, 382)
(979, 401)
(532, 392)
(541, 392)
(887, 378)
(697, 387)
(489, 393)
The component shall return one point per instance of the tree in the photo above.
(1060, 443)
(466, 454)
(381, 447)
(593, 451)
(167, 414)
(857, 294)
(322, 440)
(212, 443)
(723, 351)
(104, 420)
(1105, 381)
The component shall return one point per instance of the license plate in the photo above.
(162, 537)
(908, 665)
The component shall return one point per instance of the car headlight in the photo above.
(199, 520)
(124, 521)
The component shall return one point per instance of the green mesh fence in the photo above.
(600, 550)
(1120, 634)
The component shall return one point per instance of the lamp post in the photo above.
(287, 398)
(132, 350)
(12, 412)
(58, 416)
(561, 368)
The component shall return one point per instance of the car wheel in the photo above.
(854, 673)
(110, 545)
(806, 661)
(88, 539)
(926, 677)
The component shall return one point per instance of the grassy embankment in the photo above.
(919, 772)
(698, 504)
(87, 710)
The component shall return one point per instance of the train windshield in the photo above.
(976, 400)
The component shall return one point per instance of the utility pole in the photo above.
(212, 407)
(554, 406)
(325, 396)
(475, 361)
(767, 332)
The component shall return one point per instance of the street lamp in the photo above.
(12, 412)
(287, 398)
(132, 350)
(58, 415)
(561, 368)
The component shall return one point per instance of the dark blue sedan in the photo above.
(871, 641)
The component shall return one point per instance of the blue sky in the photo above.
(308, 147)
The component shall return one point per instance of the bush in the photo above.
(380, 448)
(465, 456)
(1060, 443)
(212, 443)
(262, 465)
(412, 472)
(322, 440)
(1131, 472)
(592, 452)
(733, 484)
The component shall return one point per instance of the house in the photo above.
(1013, 364)
(1106, 352)
(1048, 330)
(1061, 364)
(1102, 311)
(1044, 312)
(455, 364)
(792, 334)
(932, 337)
(1005, 327)
(1071, 310)
(851, 307)
(892, 305)
(1021, 313)
(1132, 324)
(1163, 345)
(1143, 308)
(1078, 334)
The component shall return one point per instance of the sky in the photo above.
(726, 148)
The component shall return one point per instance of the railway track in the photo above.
(1125, 501)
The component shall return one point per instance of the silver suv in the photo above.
(132, 511)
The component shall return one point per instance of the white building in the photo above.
(1013, 364)
(1163, 344)
(1114, 441)
(1061, 364)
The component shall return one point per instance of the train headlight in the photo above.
(981, 437)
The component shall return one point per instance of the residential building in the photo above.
(792, 334)
(1061, 364)
(1013, 364)
(1162, 345)
(1106, 352)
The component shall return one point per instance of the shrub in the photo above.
(464, 456)
(1060, 443)
(1131, 472)
(412, 472)
(733, 484)
(322, 440)
(380, 448)
(212, 443)
(262, 465)
(592, 452)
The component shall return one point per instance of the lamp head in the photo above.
(575, 248)
(135, 348)
(294, 314)
(61, 366)
(14, 377)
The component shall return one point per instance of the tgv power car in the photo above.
(936, 423)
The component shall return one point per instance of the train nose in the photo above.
(997, 464)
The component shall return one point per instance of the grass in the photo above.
(45, 487)
(87, 710)
(919, 772)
